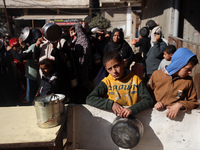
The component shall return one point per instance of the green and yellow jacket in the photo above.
(129, 91)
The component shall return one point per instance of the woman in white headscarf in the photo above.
(155, 53)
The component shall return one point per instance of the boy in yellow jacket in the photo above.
(120, 88)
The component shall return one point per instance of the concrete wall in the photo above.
(190, 20)
(91, 129)
(45, 3)
(163, 13)
(123, 18)
(117, 17)
(160, 11)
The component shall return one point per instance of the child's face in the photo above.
(115, 68)
(45, 70)
(185, 71)
(16, 48)
(167, 56)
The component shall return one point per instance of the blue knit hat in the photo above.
(179, 59)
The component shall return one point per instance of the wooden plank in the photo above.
(18, 129)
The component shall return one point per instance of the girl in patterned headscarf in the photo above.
(82, 57)
(82, 45)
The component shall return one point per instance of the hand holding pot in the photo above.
(54, 44)
(39, 41)
(125, 112)
(8, 48)
(21, 42)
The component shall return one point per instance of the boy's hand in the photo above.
(173, 110)
(21, 42)
(125, 112)
(54, 44)
(39, 41)
(116, 108)
(133, 42)
(8, 48)
(159, 106)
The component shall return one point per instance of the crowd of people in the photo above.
(99, 68)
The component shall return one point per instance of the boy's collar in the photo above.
(166, 72)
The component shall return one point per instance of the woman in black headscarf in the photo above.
(119, 44)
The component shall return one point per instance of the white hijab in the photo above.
(158, 30)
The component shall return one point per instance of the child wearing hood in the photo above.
(173, 87)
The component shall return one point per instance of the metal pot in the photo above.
(144, 31)
(62, 101)
(126, 133)
(52, 32)
(25, 33)
(47, 111)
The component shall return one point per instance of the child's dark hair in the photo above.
(111, 55)
(48, 62)
(193, 60)
(170, 49)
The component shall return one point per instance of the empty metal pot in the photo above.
(52, 32)
(47, 111)
(62, 101)
(126, 133)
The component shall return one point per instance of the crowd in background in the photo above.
(71, 65)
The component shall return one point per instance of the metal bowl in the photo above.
(52, 32)
(25, 33)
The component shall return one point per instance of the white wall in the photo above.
(91, 130)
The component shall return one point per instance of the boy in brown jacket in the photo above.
(173, 87)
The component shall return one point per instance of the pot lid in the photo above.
(25, 33)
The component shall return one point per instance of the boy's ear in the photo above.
(171, 55)
(105, 67)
